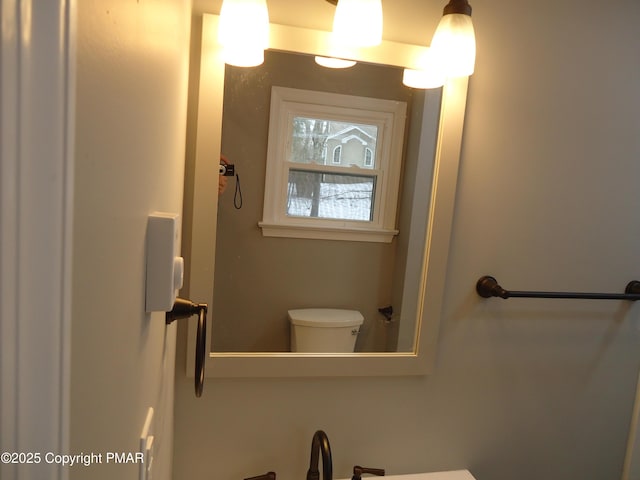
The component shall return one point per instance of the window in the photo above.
(368, 157)
(337, 153)
(333, 166)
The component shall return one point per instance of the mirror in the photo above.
(435, 127)
(259, 276)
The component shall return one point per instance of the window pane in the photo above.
(332, 196)
(327, 142)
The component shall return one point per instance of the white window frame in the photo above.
(388, 115)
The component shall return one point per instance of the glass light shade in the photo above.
(243, 57)
(358, 23)
(243, 31)
(423, 78)
(429, 73)
(331, 62)
(454, 41)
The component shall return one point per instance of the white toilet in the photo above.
(324, 329)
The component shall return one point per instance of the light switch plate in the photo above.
(165, 268)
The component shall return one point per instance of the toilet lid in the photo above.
(325, 317)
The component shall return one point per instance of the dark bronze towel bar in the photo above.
(488, 286)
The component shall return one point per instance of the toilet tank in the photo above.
(324, 329)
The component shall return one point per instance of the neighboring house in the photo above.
(350, 146)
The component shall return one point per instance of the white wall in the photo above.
(525, 389)
(131, 114)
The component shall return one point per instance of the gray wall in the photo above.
(547, 199)
(259, 278)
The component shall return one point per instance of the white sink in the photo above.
(450, 475)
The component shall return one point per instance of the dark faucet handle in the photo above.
(266, 476)
(358, 471)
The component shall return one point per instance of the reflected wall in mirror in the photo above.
(386, 348)
(257, 278)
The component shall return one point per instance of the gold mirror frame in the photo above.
(200, 230)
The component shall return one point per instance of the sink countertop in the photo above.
(449, 475)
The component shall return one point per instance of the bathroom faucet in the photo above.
(320, 444)
(358, 471)
(266, 476)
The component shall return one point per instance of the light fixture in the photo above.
(358, 23)
(454, 39)
(331, 62)
(243, 32)
(422, 79)
(429, 74)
